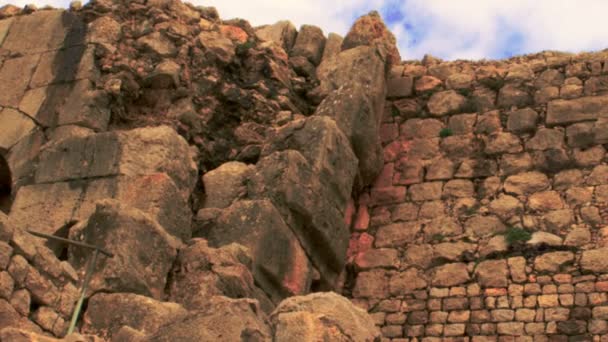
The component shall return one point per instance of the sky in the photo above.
(448, 29)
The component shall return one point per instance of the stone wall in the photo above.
(489, 219)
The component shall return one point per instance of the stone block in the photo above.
(564, 112)
(45, 30)
(14, 126)
(280, 265)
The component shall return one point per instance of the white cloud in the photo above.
(470, 29)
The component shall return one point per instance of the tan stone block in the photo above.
(433, 329)
(459, 316)
(546, 301)
(535, 328)
(525, 315)
(510, 328)
(15, 77)
(556, 314)
(454, 329)
(566, 299)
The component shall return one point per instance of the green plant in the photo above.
(395, 111)
(437, 237)
(466, 92)
(445, 132)
(514, 234)
(241, 49)
(493, 83)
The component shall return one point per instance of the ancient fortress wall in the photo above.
(490, 215)
(235, 172)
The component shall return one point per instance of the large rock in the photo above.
(280, 265)
(11, 318)
(492, 273)
(308, 207)
(136, 152)
(14, 126)
(225, 184)
(222, 319)
(309, 43)
(325, 147)
(108, 312)
(370, 30)
(449, 275)
(46, 207)
(595, 260)
(143, 251)
(44, 31)
(563, 112)
(217, 46)
(356, 115)
(322, 317)
(553, 261)
(282, 32)
(202, 272)
(343, 70)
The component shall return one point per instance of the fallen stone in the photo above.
(280, 265)
(221, 319)
(282, 32)
(144, 252)
(107, 312)
(320, 316)
(309, 43)
(307, 206)
(370, 30)
(225, 184)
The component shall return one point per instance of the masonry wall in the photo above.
(489, 220)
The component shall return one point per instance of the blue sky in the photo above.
(449, 29)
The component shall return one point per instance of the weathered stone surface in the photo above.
(221, 319)
(545, 201)
(371, 284)
(5, 25)
(503, 143)
(282, 32)
(307, 318)
(217, 46)
(225, 184)
(595, 260)
(445, 102)
(325, 147)
(397, 234)
(449, 275)
(138, 312)
(280, 265)
(309, 43)
(492, 273)
(513, 95)
(452, 251)
(11, 318)
(130, 153)
(545, 139)
(158, 44)
(562, 112)
(308, 207)
(484, 226)
(104, 30)
(553, 261)
(62, 66)
(14, 126)
(166, 75)
(540, 238)
(43, 31)
(400, 86)
(370, 30)
(144, 252)
(406, 282)
(333, 46)
(526, 183)
(441, 226)
(506, 206)
(354, 109)
(12, 81)
(202, 272)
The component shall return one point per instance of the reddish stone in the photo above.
(601, 286)
(388, 132)
(385, 179)
(349, 212)
(388, 195)
(364, 199)
(395, 149)
(494, 292)
(362, 220)
(410, 172)
(234, 33)
(359, 243)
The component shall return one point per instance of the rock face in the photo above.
(370, 30)
(144, 252)
(322, 316)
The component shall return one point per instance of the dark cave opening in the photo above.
(5, 186)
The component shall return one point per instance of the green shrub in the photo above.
(241, 49)
(513, 235)
(445, 132)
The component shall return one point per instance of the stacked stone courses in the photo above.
(489, 221)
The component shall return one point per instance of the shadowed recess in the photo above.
(5, 186)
